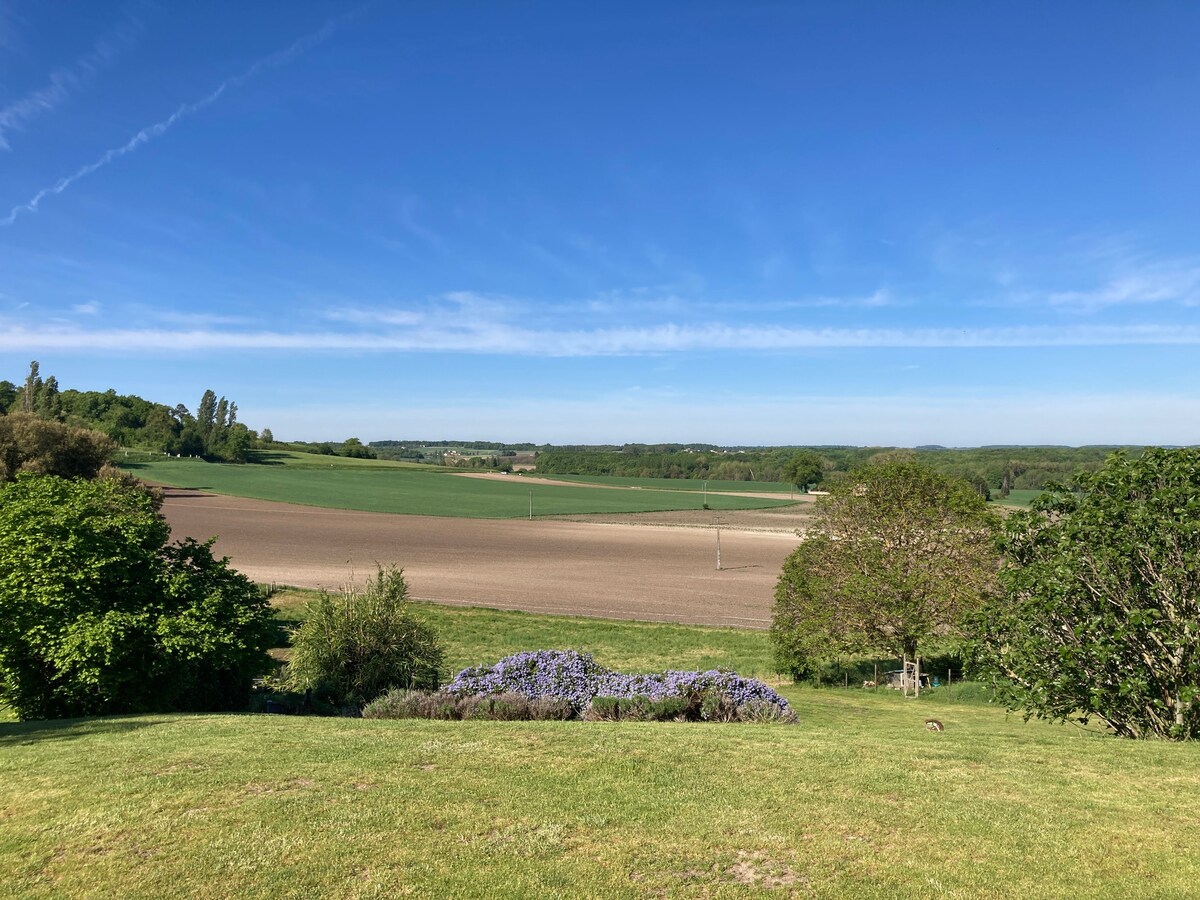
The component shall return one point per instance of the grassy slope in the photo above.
(859, 800)
(474, 636)
(378, 486)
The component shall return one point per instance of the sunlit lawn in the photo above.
(858, 800)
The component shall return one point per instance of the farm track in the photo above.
(605, 566)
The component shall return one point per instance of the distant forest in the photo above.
(988, 469)
(213, 431)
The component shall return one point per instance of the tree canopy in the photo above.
(897, 555)
(805, 468)
(44, 447)
(1099, 616)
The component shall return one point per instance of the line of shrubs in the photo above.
(512, 707)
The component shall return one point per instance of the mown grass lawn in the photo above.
(858, 800)
(381, 486)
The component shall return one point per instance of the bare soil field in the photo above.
(651, 566)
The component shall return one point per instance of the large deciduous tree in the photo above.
(897, 555)
(1099, 616)
(805, 468)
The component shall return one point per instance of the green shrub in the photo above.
(545, 709)
(474, 708)
(669, 709)
(439, 705)
(718, 707)
(638, 708)
(761, 713)
(99, 615)
(398, 703)
(603, 709)
(355, 645)
(510, 708)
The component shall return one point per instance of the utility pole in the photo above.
(717, 521)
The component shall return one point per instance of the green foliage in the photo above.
(42, 447)
(898, 554)
(804, 469)
(355, 645)
(1000, 469)
(99, 615)
(1100, 611)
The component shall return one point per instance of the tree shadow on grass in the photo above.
(14, 734)
(267, 458)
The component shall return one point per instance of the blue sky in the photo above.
(750, 223)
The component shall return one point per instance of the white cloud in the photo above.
(63, 82)
(151, 132)
(1160, 283)
(492, 337)
(86, 309)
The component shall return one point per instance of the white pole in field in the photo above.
(531, 504)
(706, 493)
(718, 522)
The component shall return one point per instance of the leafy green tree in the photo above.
(1099, 615)
(8, 396)
(49, 402)
(206, 414)
(33, 386)
(355, 645)
(804, 469)
(897, 555)
(41, 447)
(266, 438)
(99, 615)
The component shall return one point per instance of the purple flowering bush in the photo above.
(553, 674)
(577, 679)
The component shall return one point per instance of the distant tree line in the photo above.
(989, 470)
(353, 448)
(213, 431)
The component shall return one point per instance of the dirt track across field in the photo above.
(654, 571)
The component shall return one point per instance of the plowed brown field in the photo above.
(656, 572)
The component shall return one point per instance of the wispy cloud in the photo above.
(69, 79)
(8, 28)
(499, 338)
(1155, 283)
(151, 132)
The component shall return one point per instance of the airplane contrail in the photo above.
(150, 132)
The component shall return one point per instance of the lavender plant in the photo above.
(577, 679)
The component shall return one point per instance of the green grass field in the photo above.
(859, 800)
(474, 636)
(379, 486)
(674, 484)
(1021, 499)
